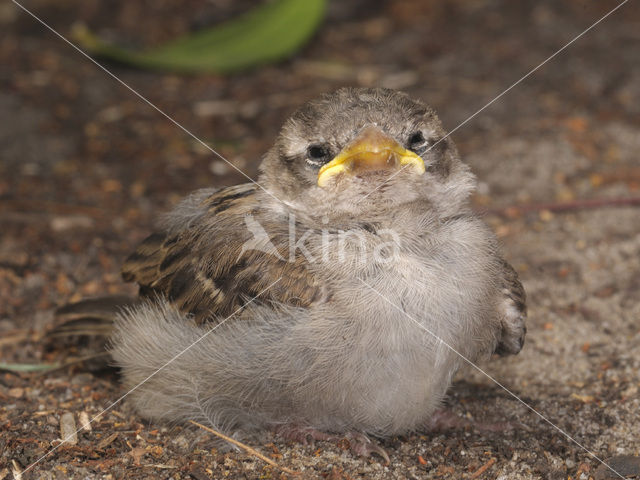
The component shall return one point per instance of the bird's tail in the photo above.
(86, 326)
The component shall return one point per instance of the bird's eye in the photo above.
(417, 143)
(318, 155)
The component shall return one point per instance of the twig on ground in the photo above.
(247, 448)
(483, 468)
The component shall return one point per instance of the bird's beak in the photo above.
(371, 150)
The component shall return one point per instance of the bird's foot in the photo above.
(304, 435)
(443, 420)
(363, 446)
(358, 443)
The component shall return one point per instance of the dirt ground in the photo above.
(86, 166)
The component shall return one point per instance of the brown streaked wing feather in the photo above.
(162, 254)
(203, 269)
(142, 265)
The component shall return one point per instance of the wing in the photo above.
(218, 253)
(514, 312)
(514, 289)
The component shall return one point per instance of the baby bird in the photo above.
(337, 294)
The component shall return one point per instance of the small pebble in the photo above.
(218, 167)
(16, 392)
(68, 429)
(64, 223)
(84, 420)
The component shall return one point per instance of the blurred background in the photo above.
(86, 167)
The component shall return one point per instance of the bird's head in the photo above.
(365, 152)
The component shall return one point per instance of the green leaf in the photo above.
(265, 34)
(27, 367)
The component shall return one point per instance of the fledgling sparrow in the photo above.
(333, 295)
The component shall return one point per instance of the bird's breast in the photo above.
(438, 282)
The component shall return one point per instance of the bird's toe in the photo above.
(363, 446)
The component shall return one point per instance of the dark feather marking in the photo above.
(158, 238)
(222, 207)
(138, 258)
(180, 282)
(172, 257)
(216, 200)
(171, 241)
(368, 227)
(228, 278)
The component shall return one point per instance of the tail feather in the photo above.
(96, 307)
(93, 316)
(88, 325)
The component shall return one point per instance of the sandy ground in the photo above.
(85, 167)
